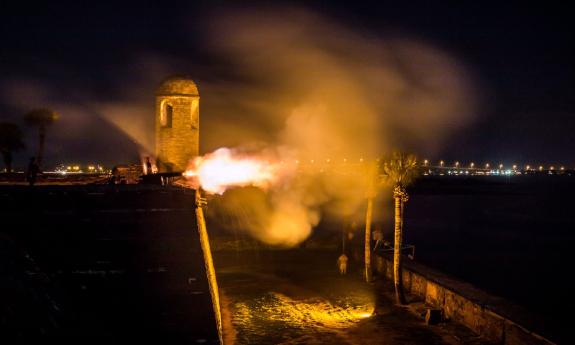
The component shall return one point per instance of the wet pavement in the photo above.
(297, 297)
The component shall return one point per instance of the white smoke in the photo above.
(317, 91)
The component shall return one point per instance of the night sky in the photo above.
(520, 56)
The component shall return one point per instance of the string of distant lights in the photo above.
(442, 164)
(454, 168)
(487, 166)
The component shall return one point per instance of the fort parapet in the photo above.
(491, 317)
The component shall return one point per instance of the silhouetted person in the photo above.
(148, 166)
(112, 178)
(32, 171)
(342, 264)
(378, 238)
(355, 243)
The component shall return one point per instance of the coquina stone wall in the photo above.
(489, 316)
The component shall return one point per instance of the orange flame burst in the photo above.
(222, 169)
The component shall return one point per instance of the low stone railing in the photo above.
(489, 316)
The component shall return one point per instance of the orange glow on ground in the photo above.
(319, 314)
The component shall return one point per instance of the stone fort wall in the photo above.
(491, 317)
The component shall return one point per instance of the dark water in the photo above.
(512, 237)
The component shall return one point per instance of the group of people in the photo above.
(121, 174)
(349, 234)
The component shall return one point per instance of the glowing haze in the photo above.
(287, 84)
(220, 170)
(311, 90)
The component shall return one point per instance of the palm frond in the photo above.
(41, 117)
(400, 169)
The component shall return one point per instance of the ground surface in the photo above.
(298, 297)
(97, 264)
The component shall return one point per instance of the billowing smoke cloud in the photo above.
(294, 83)
(324, 95)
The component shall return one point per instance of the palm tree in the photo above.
(41, 118)
(372, 184)
(10, 140)
(400, 171)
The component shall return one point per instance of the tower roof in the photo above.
(178, 85)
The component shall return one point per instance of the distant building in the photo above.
(177, 124)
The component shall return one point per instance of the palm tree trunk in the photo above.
(368, 218)
(398, 234)
(41, 140)
(343, 237)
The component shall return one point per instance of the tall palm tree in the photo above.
(10, 140)
(41, 118)
(400, 171)
(372, 185)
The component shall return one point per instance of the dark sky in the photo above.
(522, 56)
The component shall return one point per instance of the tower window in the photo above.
(166, 115)
(193, 118)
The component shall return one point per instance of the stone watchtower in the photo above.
(177, 123)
